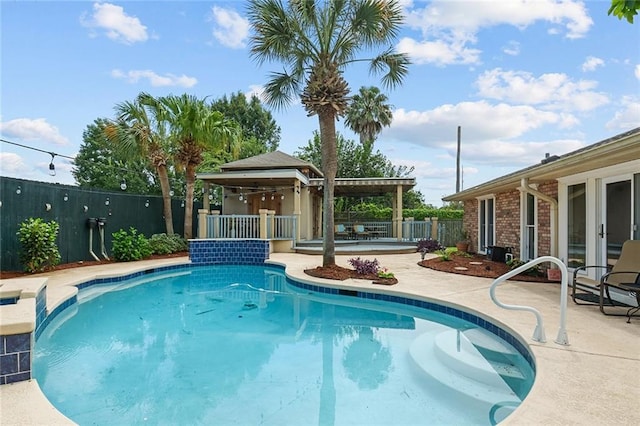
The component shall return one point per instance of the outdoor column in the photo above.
(398, 218)
(296, 208)
(434, 228)
(202, 223)
(205, 197)
(263, 223)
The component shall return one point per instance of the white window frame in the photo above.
(524, 226)
(485, 200)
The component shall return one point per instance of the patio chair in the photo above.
(624, 276)
(340, 231)
(359, 231)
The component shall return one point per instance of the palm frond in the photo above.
(394, 67)
(282, 89)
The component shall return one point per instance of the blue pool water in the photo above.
(240, 345)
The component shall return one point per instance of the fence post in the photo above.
(215, 221)
(434, 228)
(202, 223)
(271, 223)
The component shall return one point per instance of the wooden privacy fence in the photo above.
(74, 209)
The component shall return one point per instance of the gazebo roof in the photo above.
(270, 161)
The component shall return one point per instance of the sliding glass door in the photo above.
(615, 226)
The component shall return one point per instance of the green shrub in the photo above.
(444, 254)
(166, 244)
(38, 240)
(534, 271)
(128, 246)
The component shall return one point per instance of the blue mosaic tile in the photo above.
(20, 377)
(17, 343)
(24, 361)
(9, 364)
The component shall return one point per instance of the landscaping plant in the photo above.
(38, 240)
(167, 244)
(128, 246)
(534, 271)
(364, 266)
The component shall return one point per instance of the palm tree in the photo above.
(139, 131)
(368, 113)
(316, 40)
(195, 127)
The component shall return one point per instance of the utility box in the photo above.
(497, 253)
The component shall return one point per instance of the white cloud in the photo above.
(28, 129)
(470, 16)
(231, 29)
(628, 117)
(13, 165)
(512, 48)
(154, 79)
(479, 120)
(116, 24)
(255, 90)
(552, 91)
(591, 63)
(449, 27)
(637, 71)
(439, 52)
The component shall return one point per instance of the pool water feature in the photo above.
(244, 345)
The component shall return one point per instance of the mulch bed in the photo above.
(18, 274)
(335, 272)
(476, 265)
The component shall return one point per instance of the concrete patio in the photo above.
(592, 381)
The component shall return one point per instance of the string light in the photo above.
(52, 167)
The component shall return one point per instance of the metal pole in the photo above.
(458, 161)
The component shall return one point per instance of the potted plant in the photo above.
(463, 244)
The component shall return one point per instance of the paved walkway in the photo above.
(593, 381)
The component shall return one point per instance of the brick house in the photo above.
(579, 207)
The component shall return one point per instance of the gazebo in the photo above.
(278, 185)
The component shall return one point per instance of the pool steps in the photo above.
(457, 360)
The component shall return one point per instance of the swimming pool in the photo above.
(244, 345)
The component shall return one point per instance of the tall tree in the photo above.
(99, 165)
(139, 131)
(195, 127)
(260, 133)
(317, 40)
(356, 160)
(368, 113)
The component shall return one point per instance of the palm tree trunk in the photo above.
(188, 208)
(329, 169)
(166, 198)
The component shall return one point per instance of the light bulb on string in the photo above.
(52, 167)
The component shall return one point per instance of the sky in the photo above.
(521, 78)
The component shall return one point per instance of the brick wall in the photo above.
(507, 206)
(544, 217)
(508, 220)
